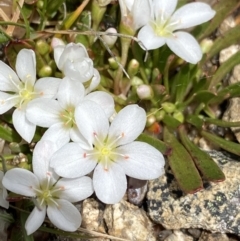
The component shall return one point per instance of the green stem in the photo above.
(124, 55)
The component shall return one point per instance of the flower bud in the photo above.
(168, 107)
(56, 42)
(150, 120)
(136, 81)
(40, 4)
(206, 45)
(45, 71)
(98, 12)
(133, 67)
(103, 3)
(155, 128)
(178, 115)
(42, 47)
(160, 115)
(145, 92)
(110, 40)
(156, 76)
(113, 63)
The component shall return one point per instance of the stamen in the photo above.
(97, 142)
(13, 82)
(62, 188)
(118, 138)
(105, 163)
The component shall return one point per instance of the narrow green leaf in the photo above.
(8, 134)
(229, 38)
(221, 122)
(224, 144)
(23, 218)
(180, 83)
(223, 9)
(205, 164)
(53, 7)
(230, 91)
(182, 165)
(195, 121)
(203, 96)
(225, 68)
(160, 145)
(171, 122)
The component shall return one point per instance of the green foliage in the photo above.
(194, 91)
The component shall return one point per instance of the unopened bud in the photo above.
(168, 107)
(145, 92)
(178, 116)
(42, 47)
(150, 120)
(133, 67)
(110, 39)
(160, 115)
(98, 12)
(136, 81)
(56, 42)
(113, 63)
(45, 71)
(206, 45)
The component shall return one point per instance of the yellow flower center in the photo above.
(67, 117)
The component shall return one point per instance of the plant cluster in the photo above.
(81, 91)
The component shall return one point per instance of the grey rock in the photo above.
(215, 208)
(125, 220)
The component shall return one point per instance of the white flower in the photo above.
(21, 88)
(163, 22)
(112, 149)
(3, 193)
(52, 194)
(58, 115)
(134, 13)
(73, 60)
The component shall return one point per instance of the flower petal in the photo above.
(76, 136)
(75, 189)
(3, 193)
(128, 124)
(23, 126)
(163, 9)
(192, 14)
(140, 19)
(94, 82)
(64, 215)
(80, 70)
(47, 87)
(9, 81)
(7, 101)
(42, 154)
(43, 112)
(185, 46)
(70, 93)
(35, 220)
(20, 181)
(72, 52)
(103, 99)
(72, 161)
(26, 66)
(58, 50)
(111, 185)
(58, 134)
(91, 120)
(149, 39)
(143, 161)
